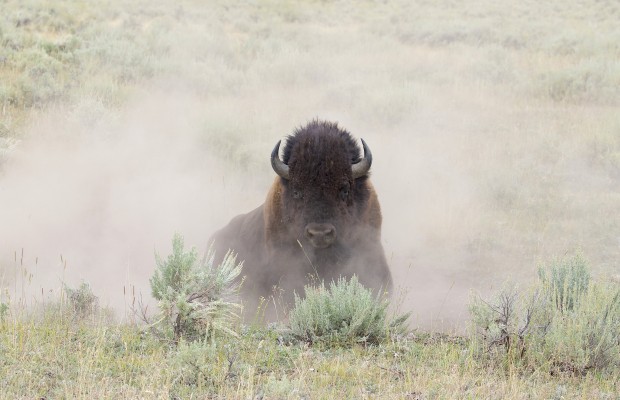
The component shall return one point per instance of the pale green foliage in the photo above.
(196, 298)
(4, 310)
(588, 80)
(82, 300)
(54, 359)
(344, 313)
(500, 323)
(569, 324)
(196, 364)
(584, 338)
(565, 281)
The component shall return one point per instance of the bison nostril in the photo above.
(321, 233)
(330, 234)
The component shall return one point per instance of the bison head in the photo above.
(323, 189)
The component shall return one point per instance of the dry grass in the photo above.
(45, 358)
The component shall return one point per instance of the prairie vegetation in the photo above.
(496, 135)
(562, 342)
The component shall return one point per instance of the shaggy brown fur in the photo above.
(321, 222)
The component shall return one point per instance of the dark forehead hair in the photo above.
(324, 139)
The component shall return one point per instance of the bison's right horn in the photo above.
(277, 164)
(362, 167)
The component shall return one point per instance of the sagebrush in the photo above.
(197, 299)
(566, 323)
(82, 301)
(344, 313)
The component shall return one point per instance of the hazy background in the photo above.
(493, 126)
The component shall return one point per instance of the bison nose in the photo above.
(321, 235)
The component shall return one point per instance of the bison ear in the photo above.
(362, 167)
(277, 164)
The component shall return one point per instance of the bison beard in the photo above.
(321, 219)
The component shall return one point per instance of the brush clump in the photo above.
(565, 324)
(342, 314)
(196, 298)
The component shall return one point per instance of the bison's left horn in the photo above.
(361, 168)
(277, 164)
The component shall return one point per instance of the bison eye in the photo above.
(344, 193)
(297, 194)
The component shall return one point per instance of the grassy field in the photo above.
(496, 136)
(56, 358)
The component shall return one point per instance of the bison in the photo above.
(321, 217)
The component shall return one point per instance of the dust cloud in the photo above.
(93, 203)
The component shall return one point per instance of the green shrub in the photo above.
(195, 297)
(344, 314)
(592, 80)
(4, 310)
(82, 301)
(501, 323)
(565, 281)
(586, 338)
(42, 78)
(568, 325)
(196, 364)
